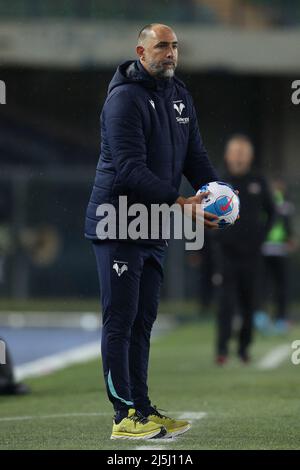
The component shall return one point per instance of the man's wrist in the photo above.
(181, 201)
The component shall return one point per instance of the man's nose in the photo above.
(170, 54)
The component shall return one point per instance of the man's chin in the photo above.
(166, 73)
(169, 73)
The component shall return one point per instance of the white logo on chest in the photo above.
(179, 108)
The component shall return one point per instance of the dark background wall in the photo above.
(49, 146)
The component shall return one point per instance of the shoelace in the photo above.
(157, 413)
(139, 418)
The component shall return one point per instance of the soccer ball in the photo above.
(221, 201)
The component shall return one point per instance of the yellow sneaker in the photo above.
(174, 427)
(136, 426)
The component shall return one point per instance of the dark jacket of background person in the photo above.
(150, 137)
(246, 236)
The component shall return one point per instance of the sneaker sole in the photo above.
(162, 432)
(178, 432)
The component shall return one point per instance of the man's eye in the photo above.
(163, 46)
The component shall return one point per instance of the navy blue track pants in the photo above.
(130, 276)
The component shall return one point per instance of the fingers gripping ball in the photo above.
(221, 201)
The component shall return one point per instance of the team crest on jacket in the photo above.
(179, 106)
(120, 269)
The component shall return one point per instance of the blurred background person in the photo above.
(278, 245)
(241, 247)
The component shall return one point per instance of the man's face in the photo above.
(238, 157)
(159, 53)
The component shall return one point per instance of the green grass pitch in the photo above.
(246, 408)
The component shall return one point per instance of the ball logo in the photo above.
(224, 205)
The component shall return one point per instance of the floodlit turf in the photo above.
(246, 408)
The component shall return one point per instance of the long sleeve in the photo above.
(125, 135)
(197, 168)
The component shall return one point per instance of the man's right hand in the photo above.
(210, 220)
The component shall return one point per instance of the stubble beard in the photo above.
(159, 71)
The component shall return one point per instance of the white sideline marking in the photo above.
(49, 364)
(275, 357)
(63, 415)
(104, 413)
(190, 415)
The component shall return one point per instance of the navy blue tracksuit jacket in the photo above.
(150, 137)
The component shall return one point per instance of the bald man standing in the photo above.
(150, 137)
(241, 248)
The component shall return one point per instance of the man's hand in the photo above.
(210, 220)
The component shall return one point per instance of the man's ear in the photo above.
(140, 52)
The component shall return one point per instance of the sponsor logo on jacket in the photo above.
(179, 106)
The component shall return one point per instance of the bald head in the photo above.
(151, 30)
(157, 50)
